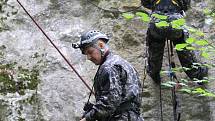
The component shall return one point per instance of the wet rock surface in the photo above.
(36, 83)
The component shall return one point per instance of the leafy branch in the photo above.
(192, 43)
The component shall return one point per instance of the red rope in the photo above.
(56, 48)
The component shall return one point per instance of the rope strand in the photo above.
(172, 77)
(55, 47)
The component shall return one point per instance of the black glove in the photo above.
(88, 106)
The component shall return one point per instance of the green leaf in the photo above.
(172, 83)
(166, 85)
(180, 47)
(193, 30)
(195, 67)
(183, 84)
(190, 40)
(186, 69)
(162, 17)
(128, 16)
(202, 49)
(162, 24)
(201, 42)
(197, 64)
(144, 17)
(205, 55)
(208, 94)
(199, 33)
(175, 26)
(186, 90)
(164, 72)
(206, 11)
(201, 81)
(178, 23)
(177, 69)
(198, 91)
(190, 29)
(190, 48)
(141, 14)
(184, 80)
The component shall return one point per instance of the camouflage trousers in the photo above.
(126, 116)
(156, 43)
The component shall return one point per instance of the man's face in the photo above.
(93, 54)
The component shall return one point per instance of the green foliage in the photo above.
(194, 31)
(144, 17)
(26, 79)
(177, 24)
(190, 40)
(197, 91)
(181, 47)
(167, 85)
(128, 16)
(193, 43)
(201, 81)
(162, 24)
(205, 54)
(201, 42)
(186, 90)
(158, 16)
(206, 11)
(190, 48)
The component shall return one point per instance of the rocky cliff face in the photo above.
(35, 82)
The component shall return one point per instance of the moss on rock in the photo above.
(26, 79)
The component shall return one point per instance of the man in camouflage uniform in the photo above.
(116, 84)
(156, 37)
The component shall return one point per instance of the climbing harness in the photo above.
(55, 47)
(173, 77)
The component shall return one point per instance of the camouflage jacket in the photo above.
(116, 83)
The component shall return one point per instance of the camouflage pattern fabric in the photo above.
(116, 83)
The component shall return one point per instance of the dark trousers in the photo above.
(156, 42)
